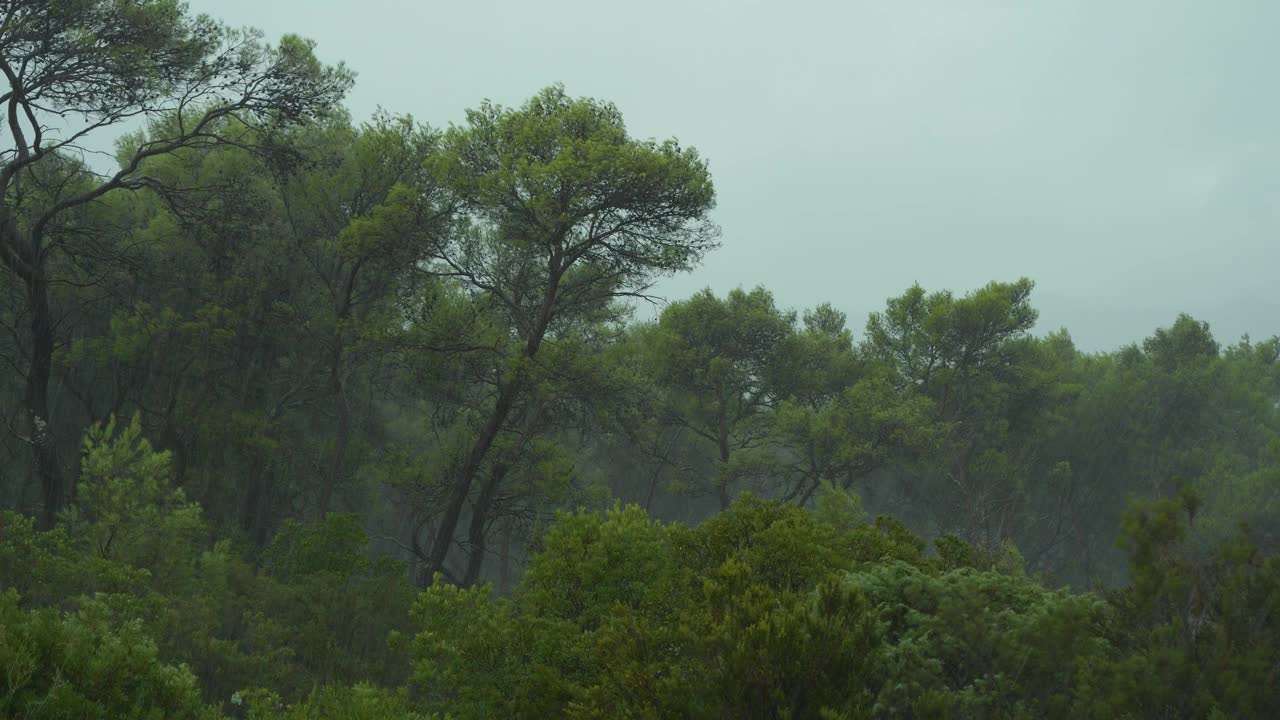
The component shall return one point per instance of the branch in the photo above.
(122, 179)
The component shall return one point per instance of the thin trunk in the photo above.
(960, 471)
(44, 449)
(467, 474)
(342, 434)
(479, 519)
(722, 486)
(262, 517)
(255, 503)
(476, 538)
(345, 284)
(814, 483)
(653, 485)
(504, 561)
(493, 426)
(662, 461)
(170, 436)
(249, 499)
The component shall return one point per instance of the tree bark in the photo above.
(21, 252)
(255, 503)
(507, 396)
(341, 288)
(342, 433)
(722, 484)
(479, 518)
(41, 427)
(467, 474)
(504, 559)
(477, 541)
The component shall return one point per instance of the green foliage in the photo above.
(780, 545)
(127, 509)
(570, 161)
(332, 607)
(887, 540)
(938, 341)
(857, 430)
(479, 658)
(955, 553)
(130, 536)
(46, 569)
(358, 702)
(764, 611)
(87, 664)
(1199, 621)
(978, 644)
(707, 345)
(430, 331)
(336, 545)
(713, 358)
(743, 650)
(859, 624)
(839, 509)
(590, 563)
(619, 616)
(132, 546)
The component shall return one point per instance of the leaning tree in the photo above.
(567, 213)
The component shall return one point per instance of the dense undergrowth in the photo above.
(127, 609)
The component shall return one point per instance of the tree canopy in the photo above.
(306, 415)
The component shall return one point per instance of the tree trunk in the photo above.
(653, 486)
(476, 539)
(960, 474)
(255, 503)
(504, 560)
(20, 252)
(662, 460)
(342, 434)
(479, 518)
(507, 396)
(41, 427)
(722, 484)
(345, 283)
(467, 475)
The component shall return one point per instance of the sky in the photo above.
(1123, 155)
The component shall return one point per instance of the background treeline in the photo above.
(275, 370)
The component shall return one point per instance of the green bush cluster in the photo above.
(765, 611)
(127, 609)
(133, 563)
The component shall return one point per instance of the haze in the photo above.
(1122, 155)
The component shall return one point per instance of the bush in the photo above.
(86, 665)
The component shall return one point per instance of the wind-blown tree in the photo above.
(1252, 385)
(567, 213)
(359, 212)
(715, 358)
(217, 321)
(77, 67)
(270, 291)
(841, 417)
(1182, 378)
(577, 396)
(644, 452)
(967, 355)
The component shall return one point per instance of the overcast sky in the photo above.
(1124, 155)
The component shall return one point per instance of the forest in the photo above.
(315, 416)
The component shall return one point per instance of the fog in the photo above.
(1123, 155)
(338, 396)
